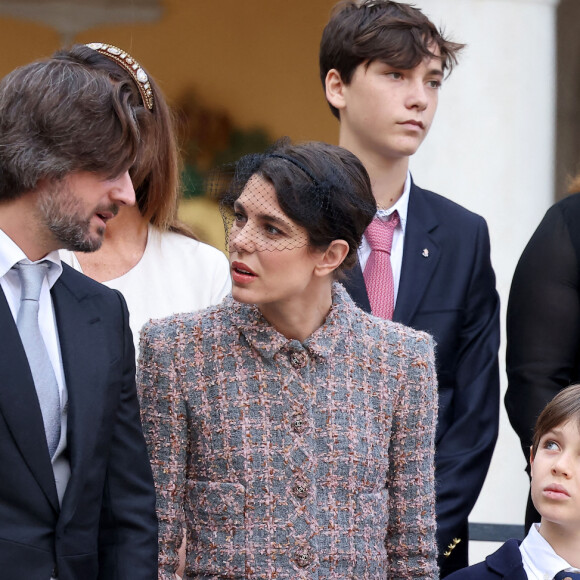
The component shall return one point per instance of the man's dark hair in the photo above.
(392, 32)
(59, 117)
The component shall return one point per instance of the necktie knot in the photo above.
(380, 233)
(567, 575)
(31, 278)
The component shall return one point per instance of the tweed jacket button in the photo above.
(298, 423)
(303, 557)
(298, 359)
(301, 489)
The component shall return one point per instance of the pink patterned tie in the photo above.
(378, 273)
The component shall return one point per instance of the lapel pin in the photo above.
(425, 253)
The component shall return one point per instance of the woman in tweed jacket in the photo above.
(291, 434)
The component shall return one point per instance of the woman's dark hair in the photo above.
(156, 170)
(564, 407)
(323, 188)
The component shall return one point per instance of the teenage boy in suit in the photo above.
(381, 65)
(77, 500)
(552, 548)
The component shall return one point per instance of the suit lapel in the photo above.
(420, 256)
(507, 561)
(81, 341)
(19, 405)
(417, 268)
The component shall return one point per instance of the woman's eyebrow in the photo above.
(239, 206)
(274, 219)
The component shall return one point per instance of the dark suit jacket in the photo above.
(543, 321)
(106, 528)
(504, 563)
(447, 288)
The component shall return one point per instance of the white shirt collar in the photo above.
(10, 254)
(401, 206)
(538, 557)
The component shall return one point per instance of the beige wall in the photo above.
(22, 42)
(568, 117)
(257, 60)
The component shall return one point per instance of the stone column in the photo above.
(491, 149)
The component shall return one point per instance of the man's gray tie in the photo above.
(31, 278)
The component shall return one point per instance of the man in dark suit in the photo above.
(381, 65)
(77, 500)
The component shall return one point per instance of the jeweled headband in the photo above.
(126, 61)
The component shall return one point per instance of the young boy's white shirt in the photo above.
(539, 559)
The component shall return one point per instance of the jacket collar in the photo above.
(84, 351)
(421, 255)
(507, 561)
(265, 339)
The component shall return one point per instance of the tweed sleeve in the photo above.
(411, 543)
(163, 414)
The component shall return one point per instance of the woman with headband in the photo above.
(291, 434)
(147, 254)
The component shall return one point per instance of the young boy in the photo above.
(381, 64)
(552, 548)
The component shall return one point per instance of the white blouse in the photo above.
(175, 274)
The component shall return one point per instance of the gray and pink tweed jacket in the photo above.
(291, 460)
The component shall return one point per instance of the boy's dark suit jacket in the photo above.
(447, 288)
(106, 528)
(505, 563)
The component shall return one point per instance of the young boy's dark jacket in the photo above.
(504, 563)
